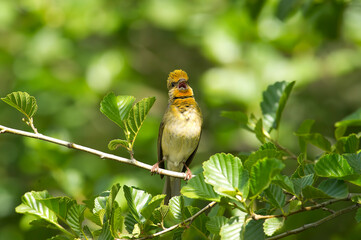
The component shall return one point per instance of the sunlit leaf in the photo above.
(232, 229)
(137, 200)
(271, 225)
(115, 143)
(32, 205)
(136, 118)
(226, 174)
(214, 224)
(176, 207)
(23, 102)
(333, 165)
(116, 108)
(148, 210)
(353, 119)
(197, 188)
(262, 173)
(261, 154)
(75, 218)
(258, 130)
(274, 101)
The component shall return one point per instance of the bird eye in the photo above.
(173, 84)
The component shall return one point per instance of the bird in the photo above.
(179, 132)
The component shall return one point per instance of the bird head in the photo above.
(177, 84)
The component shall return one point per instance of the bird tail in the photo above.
(171, 188)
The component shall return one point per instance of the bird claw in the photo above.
(188, 174)
(155, 169)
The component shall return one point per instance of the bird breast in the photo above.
(181, 135)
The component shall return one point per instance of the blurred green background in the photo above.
(69, 54)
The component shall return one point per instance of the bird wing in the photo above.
(190, 158)
(160, 151)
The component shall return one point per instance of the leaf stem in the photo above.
(101, 154)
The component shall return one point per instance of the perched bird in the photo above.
(179, 132)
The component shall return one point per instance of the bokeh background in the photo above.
(70, 54)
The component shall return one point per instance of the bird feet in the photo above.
(155, 169)
(188, 173)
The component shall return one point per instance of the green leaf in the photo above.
(117, 108)
(197, 188)
(353, 119)
(176, 206)
(317, 140)
(115, 143)
(129, 222)
(198, 227)
(275, 195)
(137, 200)
(261, 154)
(254, 230)
(333, 165)
(32, 205)
(340, 131)
(262, 173)
(116, 222)
(258, 130)
(310, 192)
(226, 174)
(349, 144)
(358, 215)
(136, 118)
(334, 188)
(111, 203)
(214, 224)
(148, 210)
(232, 230)
(301, 183)
(274, 101)
(354, 160)
(75, 218)
(23, 102)
(305, 128)
(271, 225)
(356, 199)
(106, 233)
(284, 182)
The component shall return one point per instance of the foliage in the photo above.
(263, 195)
(70, 54)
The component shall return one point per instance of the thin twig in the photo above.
(324, 208)
(210, 205)
(314, 224)
(304, 209)
(279, 146)
(102, 155)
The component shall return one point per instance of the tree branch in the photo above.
(210, 205)
(101, 154)
(314, 224)
(310, 208)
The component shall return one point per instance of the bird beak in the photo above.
(182, 84)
